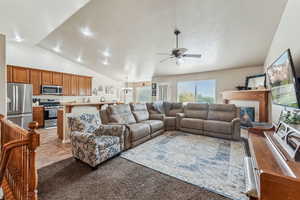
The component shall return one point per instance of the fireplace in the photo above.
(247, 116)
(250, 98)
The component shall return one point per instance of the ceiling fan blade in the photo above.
(192, 55)
(163, 60)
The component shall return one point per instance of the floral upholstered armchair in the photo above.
(92, 142)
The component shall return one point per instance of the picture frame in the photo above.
(256, 82)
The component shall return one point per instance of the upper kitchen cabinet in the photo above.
(88, 81)
(84, 86)
(74, 85)
(20, 75)
(36, 81)
(47, 78)
(57, 78)
(9, 73)
(67, 84)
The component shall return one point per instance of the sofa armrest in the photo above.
(179, 117)
(236, 128)
(157, 117)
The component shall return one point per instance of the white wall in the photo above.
(225, 80)
(2, 76)
(36, 57)
(286, 36)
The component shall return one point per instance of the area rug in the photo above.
(116, 179)
(210, 163)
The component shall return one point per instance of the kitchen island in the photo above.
(72, 107)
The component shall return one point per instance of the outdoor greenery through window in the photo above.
(202, 91)
(144, 94)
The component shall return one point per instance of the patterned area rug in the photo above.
(211, 163)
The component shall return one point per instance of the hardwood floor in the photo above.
(51, 149)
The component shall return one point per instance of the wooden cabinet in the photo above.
(46, 78)
(57, 78)
(36, 81)
(67, 84)
(20, 75)
(84, 86)
(38, 115)
(74, 86)
(9, 73)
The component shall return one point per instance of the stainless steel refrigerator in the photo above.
(19, 103)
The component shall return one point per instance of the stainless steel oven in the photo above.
(52, 90)
(50, 112)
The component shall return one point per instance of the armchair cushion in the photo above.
(157, 117)
(84, 122)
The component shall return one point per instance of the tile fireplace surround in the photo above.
(250, 98)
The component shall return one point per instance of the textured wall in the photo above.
(225, 80)
(2, 76)
(286, 36)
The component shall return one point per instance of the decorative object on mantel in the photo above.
(256, 82)
(241, 88)
(290, 117)
(95, 92)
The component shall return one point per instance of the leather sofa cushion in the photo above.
(170, 121)
(139, 130)
(222, 112)
(155, 125)
(140, 112)
(218, 126)
(173, 112)
(192, 123)
(120, 114)
(196, 110)
(173, 108)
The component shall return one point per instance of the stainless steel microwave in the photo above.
(52, 90)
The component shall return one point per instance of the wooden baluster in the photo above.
(34, 138)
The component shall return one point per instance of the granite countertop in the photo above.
(87, 104)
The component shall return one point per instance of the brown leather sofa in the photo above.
(141, 126)
(217, 120)
(169, 110)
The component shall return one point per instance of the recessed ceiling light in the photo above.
(86, 31)
(18, 38)
(79, 59)
(57, 49)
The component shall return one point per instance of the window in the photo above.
(144, 94)
(202, 91)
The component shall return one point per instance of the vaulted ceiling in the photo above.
(121, 38)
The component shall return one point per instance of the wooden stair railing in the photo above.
(18, 173)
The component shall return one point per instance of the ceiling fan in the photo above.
(178, 53)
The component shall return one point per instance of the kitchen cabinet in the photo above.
(38, 115)
(47, 78)
(36, 81)
(57, 78)
(20, 75)
(74, 86)
(67, 84)
(9, 73)
(84, 86)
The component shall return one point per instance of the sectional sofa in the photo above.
(121, 127)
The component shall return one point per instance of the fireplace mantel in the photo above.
(250, 95)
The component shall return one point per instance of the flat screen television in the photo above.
(283, 82)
